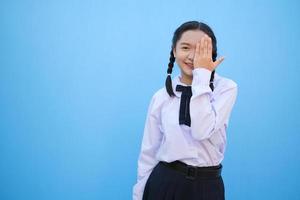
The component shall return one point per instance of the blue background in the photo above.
(77, 78)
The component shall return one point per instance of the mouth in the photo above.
(190, 65)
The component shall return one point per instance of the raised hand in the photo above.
(203, 55)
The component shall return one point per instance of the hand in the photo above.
(203, 55)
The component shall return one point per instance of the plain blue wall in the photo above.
(77, 78)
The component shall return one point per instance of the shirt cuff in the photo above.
(201, 78)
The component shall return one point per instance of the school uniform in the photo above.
(185, 139)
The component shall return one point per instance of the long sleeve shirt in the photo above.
(202, 143)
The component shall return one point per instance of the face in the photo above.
(184, 51)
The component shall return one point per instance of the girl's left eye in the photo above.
(185, 48)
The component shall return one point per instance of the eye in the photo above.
(185, 48)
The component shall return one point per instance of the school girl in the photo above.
(185, 131)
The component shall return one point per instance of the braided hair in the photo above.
(190, 25)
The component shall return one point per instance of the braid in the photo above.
(211, 82)
(168, 83)
(214, 58)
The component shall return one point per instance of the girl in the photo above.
(185, 132)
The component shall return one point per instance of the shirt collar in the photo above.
(176, 81)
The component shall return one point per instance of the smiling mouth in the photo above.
(190, 65)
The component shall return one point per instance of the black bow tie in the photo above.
(184, 111)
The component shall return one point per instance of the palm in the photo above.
(203, 55)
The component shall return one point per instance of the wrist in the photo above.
(201, 76)
(207, 68)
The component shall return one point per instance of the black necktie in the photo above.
(184, 111)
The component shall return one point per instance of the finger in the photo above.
(209, 51)
(217, 62)
(197, 51)
(202, 47)
(206, 46)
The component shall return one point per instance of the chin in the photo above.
(188, 73)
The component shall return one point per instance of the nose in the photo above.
(191, 55)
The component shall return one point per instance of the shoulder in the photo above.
(159, 98)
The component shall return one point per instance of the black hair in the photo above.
(190, 25)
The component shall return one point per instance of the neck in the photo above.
(186, 79)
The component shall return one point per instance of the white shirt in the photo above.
(201, 144)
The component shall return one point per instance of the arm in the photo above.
(208, 115)
(150, 143)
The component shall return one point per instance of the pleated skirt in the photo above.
(165, 183)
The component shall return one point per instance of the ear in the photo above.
(174, 52)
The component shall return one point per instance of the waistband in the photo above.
(192, 172)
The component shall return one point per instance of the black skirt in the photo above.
(166, 183)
